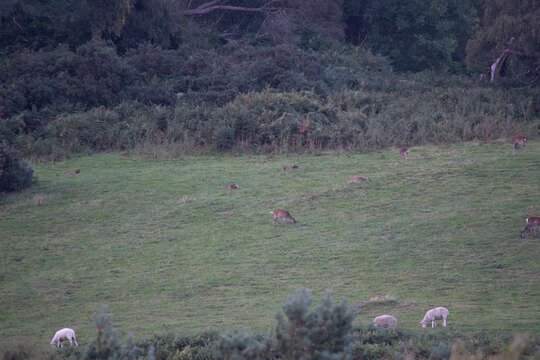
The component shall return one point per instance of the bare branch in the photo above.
(218, 5)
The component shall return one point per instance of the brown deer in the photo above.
(232, 186)
(530, 228)
(533, 220)
(290, 167)
(283, 214)
(404, 153)
(519, 140)
(358, 179)
(73, 172)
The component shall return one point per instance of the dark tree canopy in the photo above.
(509, 31)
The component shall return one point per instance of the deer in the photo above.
(73, 172)
(358, 179)
(404, 153)
(533, 220)
(530, 228)
(232, 186)
(283, 214)
(290, 167)
(519, 140)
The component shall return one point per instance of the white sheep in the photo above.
(385, 321)
(438, 313)
(63, 335)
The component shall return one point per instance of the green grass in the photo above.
(441, 229)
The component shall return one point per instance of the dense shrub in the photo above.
(15, 174)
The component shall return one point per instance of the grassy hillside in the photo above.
(166, 247)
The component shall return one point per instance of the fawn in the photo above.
(283, 214)
(404, 153)
(519, 140)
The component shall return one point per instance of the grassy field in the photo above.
(167, 248)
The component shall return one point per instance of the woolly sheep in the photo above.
(385, 321)
(63, 335)
(438, 313)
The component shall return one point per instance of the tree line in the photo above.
(447, 35)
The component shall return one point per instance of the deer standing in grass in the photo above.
(284, 215)
(533, 223)
(404, 153)
(519, 140)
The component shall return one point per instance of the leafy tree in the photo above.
(510, 32)
(35, 24)
(415, 34)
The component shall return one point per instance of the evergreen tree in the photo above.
(324, 333)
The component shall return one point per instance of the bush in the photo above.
(15, 174)
(326, 332)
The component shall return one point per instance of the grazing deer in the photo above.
(358, 179)
(232, 186)
(73, 172)
(290, 167)
(530, 228)
(404, 153)
(519, 140)
(533, 220)
(283, 214)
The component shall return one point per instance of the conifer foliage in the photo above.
(324, 333)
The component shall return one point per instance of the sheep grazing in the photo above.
(73, 172)
(438, 313)
(63, 335)
(385, 321)
(358, 179)
(232, 186)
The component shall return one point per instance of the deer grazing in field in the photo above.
(73, 172)
(404, 153)
(519, 141)
(290, 167)
(358, 179)
(284, 215)
(529, 229)
(533, 223)
(232, 186)
(64, 334)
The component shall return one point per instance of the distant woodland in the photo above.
(268, 75)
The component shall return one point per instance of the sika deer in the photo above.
(284, 215)
(519, 140)
(404, 153)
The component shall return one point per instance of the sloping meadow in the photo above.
(168, 248)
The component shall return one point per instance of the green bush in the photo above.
(15, 174)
